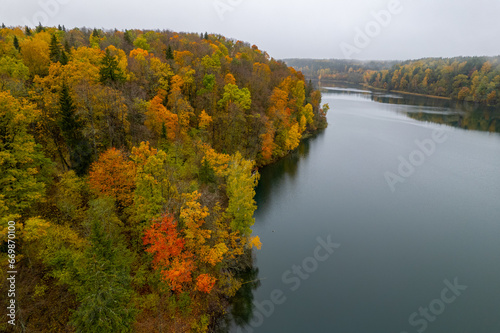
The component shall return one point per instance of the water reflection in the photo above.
(385, 232)
(242, 307)
(285, 169)
(466, 115)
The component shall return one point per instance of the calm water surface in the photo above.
(416, 249)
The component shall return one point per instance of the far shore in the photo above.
(382, 89)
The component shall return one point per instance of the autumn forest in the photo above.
(128, 162)
(467, 79)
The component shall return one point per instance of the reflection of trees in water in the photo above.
(273, 175)
(467, 115)
(241, 304)
(478, 119)
(464, 115)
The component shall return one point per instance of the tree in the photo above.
(55, 49)
(64, 58)
(105, 289)
(71, 128)
(268, 145)
(35, 53)
(154, 183)
(113, 176)
(109, 71)
(21, 161)
(159, 119)
(16, 43)
(241, 182)
(142, 43)
(67, 48)
(40, 27)
(169, 54)
(169, 255)
(13, 75)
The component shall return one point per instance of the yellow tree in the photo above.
(158, 118)
(35, 53)
(20, 158)
(179, 105)
(113, 176)
(155, 187)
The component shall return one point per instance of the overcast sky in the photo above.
(292, 28)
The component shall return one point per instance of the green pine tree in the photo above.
(71, 128)
(40, 27)
(55, 49)
(109, 71)
(27, 31)
(169, 54)
(16, 43)
(64, 58)
(105, 290)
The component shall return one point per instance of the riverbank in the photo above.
(406, 92)
(367, 86)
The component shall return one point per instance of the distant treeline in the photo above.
(474, 79)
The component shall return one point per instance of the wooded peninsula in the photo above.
(128, 162)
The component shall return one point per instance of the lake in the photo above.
(388, 221)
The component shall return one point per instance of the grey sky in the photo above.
(291, 28)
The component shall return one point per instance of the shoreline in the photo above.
(391, 91)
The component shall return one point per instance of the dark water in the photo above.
(351, 244)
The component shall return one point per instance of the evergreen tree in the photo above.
(59, 27)
(55, 49)
(27, 31)
(3, 26)
(128, 36)
(109, 71)
(69, 122)
(64, 58)
(169, 54)
(80, 150)
(106, 290)
(206, 36)
(16, 43)
(40, 27)
(95, 33)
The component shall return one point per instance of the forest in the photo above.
(470, 79)
(128, 162)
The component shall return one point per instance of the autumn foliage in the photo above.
(129, 160)
(169, 253)
(112, 175)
